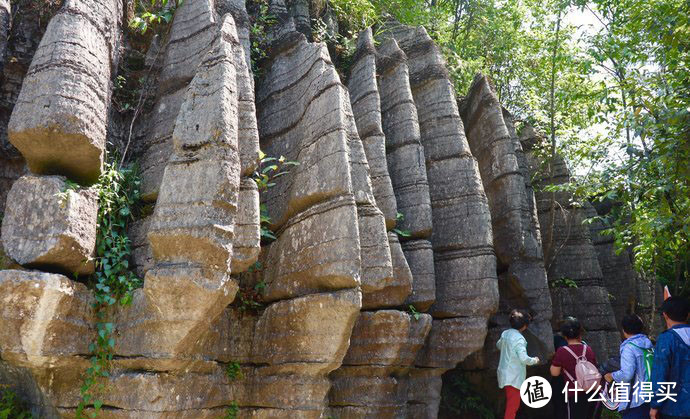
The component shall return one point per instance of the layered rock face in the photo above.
(522, 277)
(403, 237)
(59, 121)
(571, 260)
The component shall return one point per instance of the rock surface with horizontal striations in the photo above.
(60, 118)
(192, 227)
(43, 316)
(522, 279)
(366, 107)
(572, 264)
(465, 265)
(313, 209)
(407, 169)
(631, 293)
(403, 220)
(191, 35)
(50, 226)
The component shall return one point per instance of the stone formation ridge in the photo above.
(407, 232)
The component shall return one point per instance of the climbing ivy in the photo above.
(114, 282)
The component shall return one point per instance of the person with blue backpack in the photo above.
(672, 363)
(637, 355)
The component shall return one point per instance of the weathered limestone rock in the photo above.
(142, 255)
(4, 28)
(302, 116)
(465, 265)
(59, 120)
(631, 293)
(399, 288)
(43, 318)
(424, 392)
(193, 32)
(373, 379)
(10, 171)
(48, 226)
(523, 282)
(366, 107)
(195, 212)
(377, 269)
(191, 36)
(420, 257)
(387, 337)
(176, 307)
(23, 35)
(570, 256)
(192, 228)
(310, 329)
(404, 152)
(405, 157)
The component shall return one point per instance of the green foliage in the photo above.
(11, 407)
(413, 311)
(232, 411)
(268, 169)
(258, 32)
(399, 217)
(114, 282)
(462, 400)
(152, 14)
(563, 283)
(234, 371)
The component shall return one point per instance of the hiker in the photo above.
(514, 359)
(576, 361)
(672, 363)
(635, 367)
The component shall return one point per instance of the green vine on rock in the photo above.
(114, 282)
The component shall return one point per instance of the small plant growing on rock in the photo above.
(234, 371)
(268, 169)
(402, 233)
(232, 411)
(11, 407)
(414, 312)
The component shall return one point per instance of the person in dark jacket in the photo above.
(672, 363)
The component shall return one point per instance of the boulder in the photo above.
(44, 318)
(60, 118)
(50, 226)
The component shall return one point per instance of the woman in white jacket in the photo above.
(512, 367)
